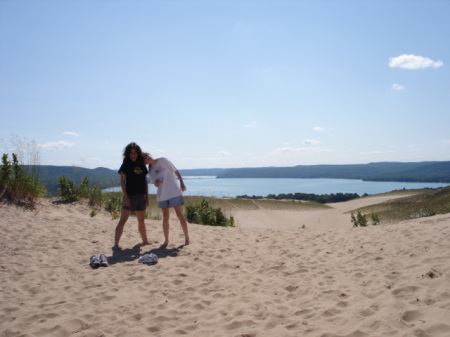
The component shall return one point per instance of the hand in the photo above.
(182, 187)
(127, 201)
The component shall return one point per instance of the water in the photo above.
(212, 187)
(209, 186)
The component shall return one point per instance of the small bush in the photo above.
(95, 196)
(360, 220)
(206, 215)
(85, 190)
(113, 204)
(67, 189)
(375, 219)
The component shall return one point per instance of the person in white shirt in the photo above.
(169, 182)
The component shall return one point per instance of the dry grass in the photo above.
(422, 203)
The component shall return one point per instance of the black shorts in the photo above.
(138, 202)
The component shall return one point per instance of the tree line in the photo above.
(320, 198)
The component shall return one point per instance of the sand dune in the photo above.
(275, 279)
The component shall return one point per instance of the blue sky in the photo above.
(227, 84)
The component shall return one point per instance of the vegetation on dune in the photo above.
(422, 203)
(361, 220)
(17, 185)
(70, 193)
(206, 215)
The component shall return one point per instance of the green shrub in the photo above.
(375, 219)
(113, 204)
(360, 220)
(95, 196)
(67, 190)
(6, 172)
(206, 215)
(85, 190)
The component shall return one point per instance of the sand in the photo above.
(268, 277)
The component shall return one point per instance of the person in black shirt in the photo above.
(133, 181)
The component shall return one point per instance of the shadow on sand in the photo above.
(128, 255)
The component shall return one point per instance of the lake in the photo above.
(210, 186)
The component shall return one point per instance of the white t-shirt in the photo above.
(164, 171)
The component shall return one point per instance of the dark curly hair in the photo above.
(127, 151)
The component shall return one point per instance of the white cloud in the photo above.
(413, 62)
(61, 145)
(223, 153)
(445, 141)
(285, 150)
(251, 125)
(311, 141)
(370, 153)
(71, 134)
(396, 86)
(318, 128)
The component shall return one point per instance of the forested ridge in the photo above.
(438, 172)
(100, 176)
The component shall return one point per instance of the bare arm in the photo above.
(146, 192)
(123, 179)
(182, 186)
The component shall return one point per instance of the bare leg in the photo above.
(124, 214)
(183, 223)
(141, 226)
(166, 225)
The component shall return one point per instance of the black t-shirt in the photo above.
(136, 177)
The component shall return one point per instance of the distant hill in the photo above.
(202, 172)
(438, 172)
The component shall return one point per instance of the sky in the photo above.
(225, 84)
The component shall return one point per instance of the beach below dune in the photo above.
(267, 277)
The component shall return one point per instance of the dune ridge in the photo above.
(327, 279)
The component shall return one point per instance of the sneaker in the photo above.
(95, 262)
(103, 260)
(148, 259)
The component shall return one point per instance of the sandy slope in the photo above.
(275, 279)
(333, 218)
